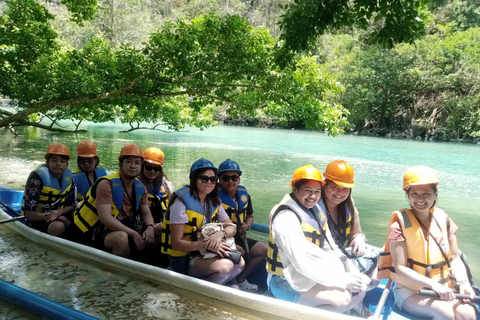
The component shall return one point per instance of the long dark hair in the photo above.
(212, 196)
(144, 179)
(342, 208)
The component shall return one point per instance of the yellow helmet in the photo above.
(154, 155)
(419, 175)
(308, 172)
(340, 172)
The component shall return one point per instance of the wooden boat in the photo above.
(258, 305)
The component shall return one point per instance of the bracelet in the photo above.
(224, 234)
(150, 225)
(460, 282)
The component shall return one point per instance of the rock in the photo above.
(418, 130)
(381, 131)
(368, 132)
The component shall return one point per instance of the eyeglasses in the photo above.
(154, 168)
(136, 163)
(226, 177)
(205, 179)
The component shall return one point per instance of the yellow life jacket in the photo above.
(238, 215)
(158, 196)
(53, 194)
(86, 216)
(423, 256)
(344, 226)
(83, 184)
(314, 229)
(192, 228)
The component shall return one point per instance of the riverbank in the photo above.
(416, 132)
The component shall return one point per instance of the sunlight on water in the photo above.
(268, 158)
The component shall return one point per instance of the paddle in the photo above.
(11, 219)
(383, 299)
(431, 293)
(12, 211)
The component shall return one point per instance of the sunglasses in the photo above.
(226, 177)
(205, 179)
(154, 168)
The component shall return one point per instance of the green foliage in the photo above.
(391, 21)
(25, 36)
(81, 10)
(178, 77)
(433, 83)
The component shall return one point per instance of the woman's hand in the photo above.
(358, 245)
(444, 292)
(466, 288)
(356, 282)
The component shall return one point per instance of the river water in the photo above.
(268, 158)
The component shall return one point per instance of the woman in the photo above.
(337, 202)
(88, 170)
(192, 207)
(301, 262)
(422, 249)
(238, 205)
(157, 184)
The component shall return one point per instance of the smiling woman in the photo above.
(301, 260)
(192, 207)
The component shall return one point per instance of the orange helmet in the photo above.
(419, 175)
(58, 148)
(340, 172)
(154, 155)
(131, 150)
(86, 149)
(308, 172)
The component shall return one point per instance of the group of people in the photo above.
(316, 253)
(136, 213)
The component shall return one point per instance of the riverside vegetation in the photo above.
(397, 68)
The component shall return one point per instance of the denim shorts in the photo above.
(401, 294)
(281, 289)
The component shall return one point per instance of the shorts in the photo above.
(281, 289)
(179, 264)
(401, 294)
(41, 226)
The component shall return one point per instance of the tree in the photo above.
(388, 21)
(180, 74)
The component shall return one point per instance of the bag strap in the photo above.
(435, 240)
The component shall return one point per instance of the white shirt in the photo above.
(305, 264)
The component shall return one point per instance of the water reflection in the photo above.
(94, 289)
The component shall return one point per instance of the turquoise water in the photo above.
(268, 158)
